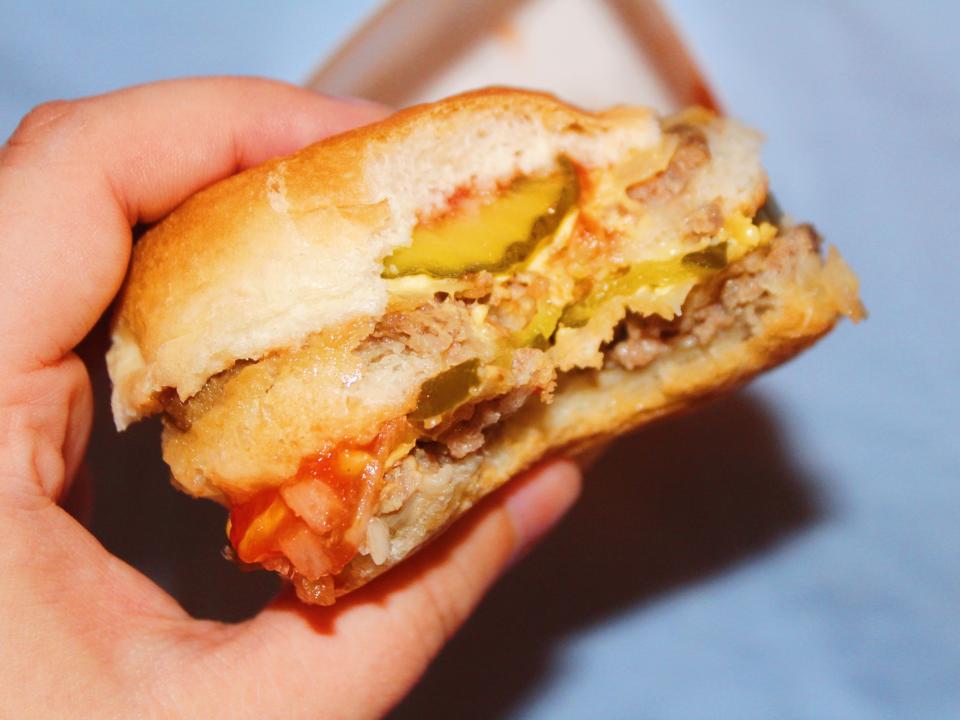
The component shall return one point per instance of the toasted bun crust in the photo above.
(261, 260)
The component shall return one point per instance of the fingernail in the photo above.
(540, 501)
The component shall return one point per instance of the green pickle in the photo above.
(769, 212)
(493, 237)
(540, 329)
(653, 273)
(447, 390)
(713, 257)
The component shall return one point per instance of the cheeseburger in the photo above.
(350, 346)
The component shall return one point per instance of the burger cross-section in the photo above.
(352, 345)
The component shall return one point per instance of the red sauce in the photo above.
(326, 467)
(311, 520)
(459, 196)
(584, 180)
(455, 202)
(258, 544)
(258, 525)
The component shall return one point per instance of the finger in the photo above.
(73, 178)
(380, 639)
(45, 418)
(76, 175)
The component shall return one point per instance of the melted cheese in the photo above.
(654, 281)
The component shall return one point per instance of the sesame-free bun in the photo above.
(261, 260)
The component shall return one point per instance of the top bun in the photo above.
(261, 260)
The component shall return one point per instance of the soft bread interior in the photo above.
(351, 346)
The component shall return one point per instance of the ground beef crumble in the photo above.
(467, 436)
(692, 152)
(429, 330)
(711, 307)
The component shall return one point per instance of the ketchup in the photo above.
(258, 526)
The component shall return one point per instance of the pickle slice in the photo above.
(539, 330)
(447, 390)
(770, 212)
(493, 236)
(712, 257)
(653, 273)
(739, 235)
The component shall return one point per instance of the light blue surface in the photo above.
(857, 615)
(861, 102)
(54, 49)
(848, 604)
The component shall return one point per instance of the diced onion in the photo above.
(378, 540)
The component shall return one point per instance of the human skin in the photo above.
(82, 634)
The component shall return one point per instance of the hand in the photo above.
(81, 633)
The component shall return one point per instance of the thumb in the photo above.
(376, 643)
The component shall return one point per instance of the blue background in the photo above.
(792, 551)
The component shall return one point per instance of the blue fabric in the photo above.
(792, 551)
(54, 49)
